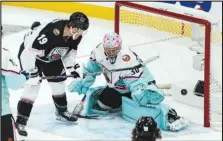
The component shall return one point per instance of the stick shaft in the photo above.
(114, 70)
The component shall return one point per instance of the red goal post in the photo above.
(207, 42)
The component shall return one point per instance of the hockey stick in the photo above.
(57, 77)
(164, 86)
(78, 108)
(113, 70)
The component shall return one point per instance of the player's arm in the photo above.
(34, 43)
(11, 71)
(92, 68)
(70, 59)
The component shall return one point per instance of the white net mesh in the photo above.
(180, 45)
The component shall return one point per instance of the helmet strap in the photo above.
(79, 32)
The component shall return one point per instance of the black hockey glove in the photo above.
(75, 74)
(75, 70)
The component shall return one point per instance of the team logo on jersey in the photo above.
(126, 58)
(56, 32)
(57, 53)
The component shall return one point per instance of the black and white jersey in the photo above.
(46, 43)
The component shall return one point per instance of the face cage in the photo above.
(112, 55)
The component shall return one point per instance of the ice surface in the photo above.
(42, 123)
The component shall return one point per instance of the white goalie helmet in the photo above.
(112, 43)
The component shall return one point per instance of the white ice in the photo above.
(168, 69)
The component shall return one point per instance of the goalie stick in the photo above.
(151, 59)
(113, 70)
(78, 108)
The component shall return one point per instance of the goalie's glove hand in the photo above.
(79, 86)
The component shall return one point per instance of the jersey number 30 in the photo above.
(134, 71)
(42, 39)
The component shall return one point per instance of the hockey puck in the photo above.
(184, 92)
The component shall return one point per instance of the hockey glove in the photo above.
(32, 76)
(75, 74)
(75, 70)
(81, 86)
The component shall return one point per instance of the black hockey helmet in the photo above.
(146, 124)
(79, 20)
(146, 127)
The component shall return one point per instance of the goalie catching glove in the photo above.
(81, 86)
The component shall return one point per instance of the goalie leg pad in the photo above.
(154, 95)
(158, 112)
(151, 95)
(91, 100)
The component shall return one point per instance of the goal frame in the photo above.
(207, 43)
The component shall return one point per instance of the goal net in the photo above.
(190, 47)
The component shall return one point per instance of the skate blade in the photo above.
(97, 116)
(94, 116)
(66, 121)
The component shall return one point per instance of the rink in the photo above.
(42, 123)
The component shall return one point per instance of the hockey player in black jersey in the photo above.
(49, 50)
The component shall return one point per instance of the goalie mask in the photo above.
(112, 45)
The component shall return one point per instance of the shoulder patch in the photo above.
(126, 58)
(56, 32)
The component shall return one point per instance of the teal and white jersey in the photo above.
(122, 81)
(11, 79)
